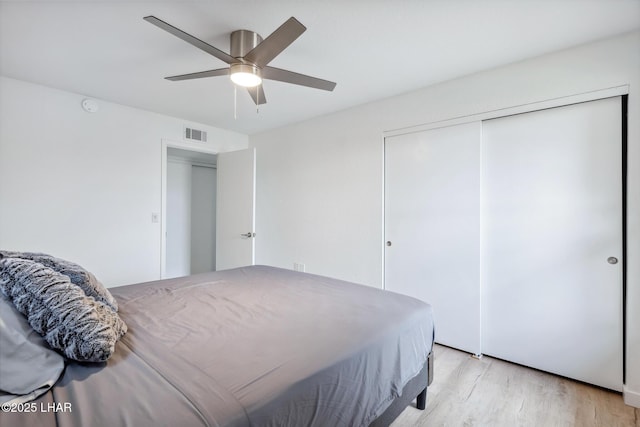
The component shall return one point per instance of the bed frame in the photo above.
(416, 388)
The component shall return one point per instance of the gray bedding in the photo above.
(21, 350)
(255, 346)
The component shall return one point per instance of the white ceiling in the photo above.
(373, 49)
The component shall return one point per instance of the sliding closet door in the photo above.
(432, 227)
(552, 241)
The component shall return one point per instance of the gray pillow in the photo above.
(78, 275)
(80, 327)
(29, 367)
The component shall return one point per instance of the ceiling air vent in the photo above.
(195, 135)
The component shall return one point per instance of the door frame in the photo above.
(165, 145)
(516, 109)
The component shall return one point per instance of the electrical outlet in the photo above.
(155, 217)
(298, 266)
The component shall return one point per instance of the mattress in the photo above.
(254, 346)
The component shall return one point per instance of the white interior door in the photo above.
(432, 224)
(551, 219)
(235, 207)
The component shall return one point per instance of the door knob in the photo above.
(248, 235)
(612, 260)
(388, 242)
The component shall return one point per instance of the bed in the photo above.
(253, 346)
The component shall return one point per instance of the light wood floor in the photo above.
(494, 393)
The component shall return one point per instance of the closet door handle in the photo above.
(612, 260)
(248, 235)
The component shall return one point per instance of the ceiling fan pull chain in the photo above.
(235, 102)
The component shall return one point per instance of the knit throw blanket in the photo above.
(79, 326)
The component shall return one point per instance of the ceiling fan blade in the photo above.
(277, 41)
(257, 94)
(190, 39)
(280, 75)
(200, 74)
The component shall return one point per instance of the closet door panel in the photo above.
(432, 223)
(551, 219)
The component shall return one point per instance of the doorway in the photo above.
(190, 234)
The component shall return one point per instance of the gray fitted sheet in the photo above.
(254, 346)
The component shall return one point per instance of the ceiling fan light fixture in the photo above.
(246, 75)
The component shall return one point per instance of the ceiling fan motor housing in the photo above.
(242, 42)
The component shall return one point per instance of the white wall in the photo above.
(83, 186)
(319, 196)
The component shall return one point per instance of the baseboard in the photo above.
(631, 398)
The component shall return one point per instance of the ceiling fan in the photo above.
(249, 57)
